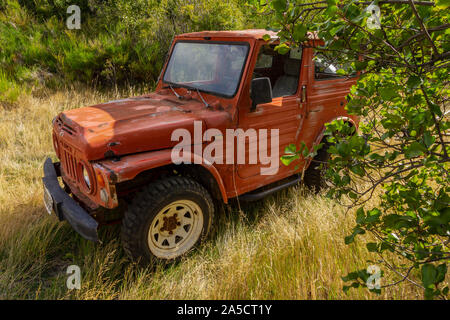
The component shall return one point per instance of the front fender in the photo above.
(128, 167)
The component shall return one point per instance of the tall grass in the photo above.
(290, 246)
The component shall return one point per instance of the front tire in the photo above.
(167, 220)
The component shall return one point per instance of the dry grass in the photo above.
(288, 247)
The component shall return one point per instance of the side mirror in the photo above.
(260, 92)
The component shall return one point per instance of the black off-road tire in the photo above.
(315, 174)
(149, 204)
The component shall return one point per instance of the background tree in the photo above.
(402, 148)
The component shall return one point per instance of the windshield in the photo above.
(210, 67)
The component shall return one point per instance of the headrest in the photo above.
(292, 67)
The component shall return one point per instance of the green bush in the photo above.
(120, 42)
(9, 89)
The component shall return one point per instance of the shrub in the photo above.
(403, 148)
(120, 42)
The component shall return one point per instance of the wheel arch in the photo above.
(321, 135)
(130, 167)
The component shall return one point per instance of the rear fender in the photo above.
(321, 135)
(319, 138)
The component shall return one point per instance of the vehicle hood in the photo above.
(134, 125)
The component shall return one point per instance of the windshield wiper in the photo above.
(190, 88)
(206, 103)
(175, 93)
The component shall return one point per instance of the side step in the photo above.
(249, 197)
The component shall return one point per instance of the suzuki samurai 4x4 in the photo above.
(159, 163)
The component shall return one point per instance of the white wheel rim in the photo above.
(175, 229)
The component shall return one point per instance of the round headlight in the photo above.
(86, 177)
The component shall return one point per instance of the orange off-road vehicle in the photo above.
(123, 162)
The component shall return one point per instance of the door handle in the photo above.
(303, 100)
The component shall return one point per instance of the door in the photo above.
(285, 114)
(325, 94)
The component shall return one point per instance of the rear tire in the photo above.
(167, 220)
(315, 174)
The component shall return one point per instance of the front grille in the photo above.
(64, 126)
(66, 153)
(68, 129)
(69, 164)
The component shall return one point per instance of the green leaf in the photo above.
(386, 246)
(428, 139)
(266, 37)
(415, 149)
(360, 65)
(436, 109)
(358, 170)
(388, 93)
(443, 4)
(349, 239)
(331, 11)
(279, 5)
(282, 48)
(300, 32)
(353, 285)
(372, 247)
(429, 274)
(413, 82)
(305, 151)
(349, 277)
(291, 149)
(360, 216)
(429, 293)
(357, 230)
(442, 271)
(352, 195)
(288, 159)
(373, 216)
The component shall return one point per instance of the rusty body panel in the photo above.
(124, 126)
(119, 140)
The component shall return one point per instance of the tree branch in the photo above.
(422, 26)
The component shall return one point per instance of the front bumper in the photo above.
(65, 207)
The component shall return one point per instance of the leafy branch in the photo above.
(401, 150)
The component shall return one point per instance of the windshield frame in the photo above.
(180, 85)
